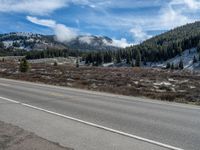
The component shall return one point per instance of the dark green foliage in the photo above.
(24, 65)
(168, 66)
(77, 63)
(181, 66)
(172, 66)
(98, 58)
(51, 53)
(169, 44)
(1, 45)
(55, 63)
(194, 60)
(198, 47)
(199, 56)
(118, 58)
(138, 59)
(16, 44)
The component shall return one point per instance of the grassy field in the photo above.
(178, 86)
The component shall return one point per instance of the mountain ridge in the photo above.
(33, 41)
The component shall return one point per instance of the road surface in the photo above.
(172, 124)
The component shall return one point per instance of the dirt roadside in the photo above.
(15, 138)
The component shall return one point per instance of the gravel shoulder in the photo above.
(15, 138)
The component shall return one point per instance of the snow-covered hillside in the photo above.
(187, 57)
(31, 41)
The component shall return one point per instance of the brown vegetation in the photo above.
(179, 86)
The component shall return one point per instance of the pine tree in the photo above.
(24, 65)
(172, 66)
(168, 66)
(179, 50)
(1, 45)
(138, 59)
(181, 66)
(118, 58)
(199, 56)
(55, 63)
(198, 47)
(194, 60)
(77, 63)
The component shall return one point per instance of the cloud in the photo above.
(191, 4)
(139, 35)
(42, 22)
(123, 43)
(86, 39)
(62, 32)
(39, 7)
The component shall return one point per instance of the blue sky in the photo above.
(126, 21)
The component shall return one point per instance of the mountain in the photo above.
(91, 43)
(30, 41)
(169, 44)
(179, 44)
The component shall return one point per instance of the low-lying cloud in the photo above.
(62, 32)
(139, 35)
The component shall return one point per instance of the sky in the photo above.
(125, 21)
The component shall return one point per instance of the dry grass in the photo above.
(176, 86)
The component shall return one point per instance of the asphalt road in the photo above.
(170, 123)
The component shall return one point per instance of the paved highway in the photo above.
(169, 123)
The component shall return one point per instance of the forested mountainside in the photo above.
(169, 44)
(159, 48)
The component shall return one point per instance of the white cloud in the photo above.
(86, 39)
(118, 43)
(191, 4)
(175, 13)
(62, 32)
(42, 22)
(139, 35)
(39, 7)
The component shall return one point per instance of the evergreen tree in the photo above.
(118, 58)
(194, 60)
(55, 63)
(16, 44)
(181, 66)
(1, 45)
(138, 59)
(168, 66)
(179, 51)
(198, 47)
(132, 63)
(77, 63)
(24, 65)
(172, 66)
(199, 56)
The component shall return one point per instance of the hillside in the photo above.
(160, 49)
(30, 41)
(169, 44)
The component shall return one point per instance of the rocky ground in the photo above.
(178, 86)
(15, 138)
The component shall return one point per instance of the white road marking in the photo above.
(95, 125)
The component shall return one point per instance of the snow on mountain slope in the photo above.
(187, 58)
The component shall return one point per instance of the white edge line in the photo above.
(96, 125)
